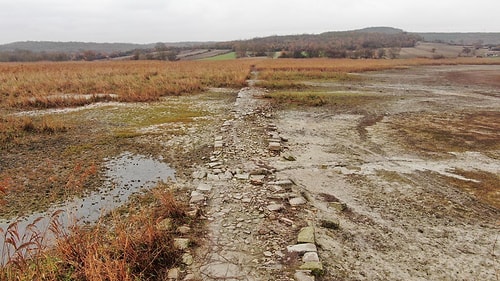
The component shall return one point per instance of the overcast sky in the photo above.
(150, 21)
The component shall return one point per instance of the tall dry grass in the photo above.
(44, 85)
(131, 247)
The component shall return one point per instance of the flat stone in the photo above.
(330, 223)
(216, 164)
(306, 235)
(226, 176)
(303, 275)
(281, 182)
(173, 273)
(164, 225)
(338, 206)
(268, 254)
(222, 271)
(274, 146)
(297, 201)
(196, 197)
(244, 176)
(275, 207)
(218, 144)
(218, 138)
(189, 276)
(315, 267)
(184, 229)
(302, 248)
(187, 259)
(199, 174)
(310, 257)
(181, 243)
(203, 187)
(212, 177)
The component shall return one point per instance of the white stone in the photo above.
(244, 176)
(196, 197)
(274, 146)
(173, 273)
(275, 207)
(310, 257)
(203, 187)
(303, 275)
(302, 248)
(181, 243)
(281, 182)
(199, 174)
(213, 177)
(297, 201)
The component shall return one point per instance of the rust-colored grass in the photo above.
(131, 248)
(46, 85)
(449, 132)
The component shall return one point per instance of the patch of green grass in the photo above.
(339, 100)
(136, 117)
(227, 56)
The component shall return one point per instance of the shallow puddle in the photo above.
(126, 175)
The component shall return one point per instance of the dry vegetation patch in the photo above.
(449, 132)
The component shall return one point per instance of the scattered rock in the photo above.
(310, 257)
(287, 221)
(196, 197)
(181, 243)
(297, 201)
(268, 254)
(303, 275)
(221, 271)
(338, 206)
(164, 225)
(213, 177)
(302, 248)
(184, 229)
(203, 187)
(275, 207)
(330, 223)
(282, 182)
(199, 174)
(289, 157)
(173, 273)
(274, 146)
(315, 267)
(187, 259)
(244, 176)
(306, 235)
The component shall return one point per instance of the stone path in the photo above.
(254, 217)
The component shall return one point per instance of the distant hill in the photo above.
(380, 29)
(70, 47)
(370, 42)
(457, 38)
(74, 47)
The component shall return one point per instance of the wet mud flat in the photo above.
(415, 191)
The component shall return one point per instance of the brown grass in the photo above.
(447, 132)
(132, 248)
(484, 187)
(44, 85)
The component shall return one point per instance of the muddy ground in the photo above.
(420, 181)
(411, 173)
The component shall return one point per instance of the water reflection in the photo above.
(126, 175)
